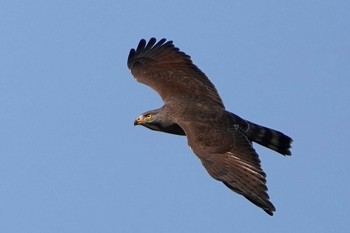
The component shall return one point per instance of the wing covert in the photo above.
(170, 72)
(229, 157)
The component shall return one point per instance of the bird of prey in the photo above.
(192, 107)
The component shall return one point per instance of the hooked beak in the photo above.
(139, 121)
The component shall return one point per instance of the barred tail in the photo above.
(270, 138)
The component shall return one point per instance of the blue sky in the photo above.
(72, 161)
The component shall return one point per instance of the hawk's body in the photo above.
(193, 107)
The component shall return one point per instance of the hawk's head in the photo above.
(155, 120)
(149, 120)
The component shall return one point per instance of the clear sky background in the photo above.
(72, 161)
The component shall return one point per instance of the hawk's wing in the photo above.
(170, 72)
(228, 156)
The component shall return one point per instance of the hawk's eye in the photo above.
(148, 116)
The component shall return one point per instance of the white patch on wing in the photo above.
(246, 165)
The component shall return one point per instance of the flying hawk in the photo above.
(192, 107)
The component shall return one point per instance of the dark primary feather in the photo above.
(170, 72)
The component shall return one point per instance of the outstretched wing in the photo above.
(170, 72)
(228, 156)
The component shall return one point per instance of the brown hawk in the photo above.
(193, 107)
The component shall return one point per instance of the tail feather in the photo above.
(269, 138)
(264, 136)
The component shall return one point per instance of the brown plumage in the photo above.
(193, 107)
